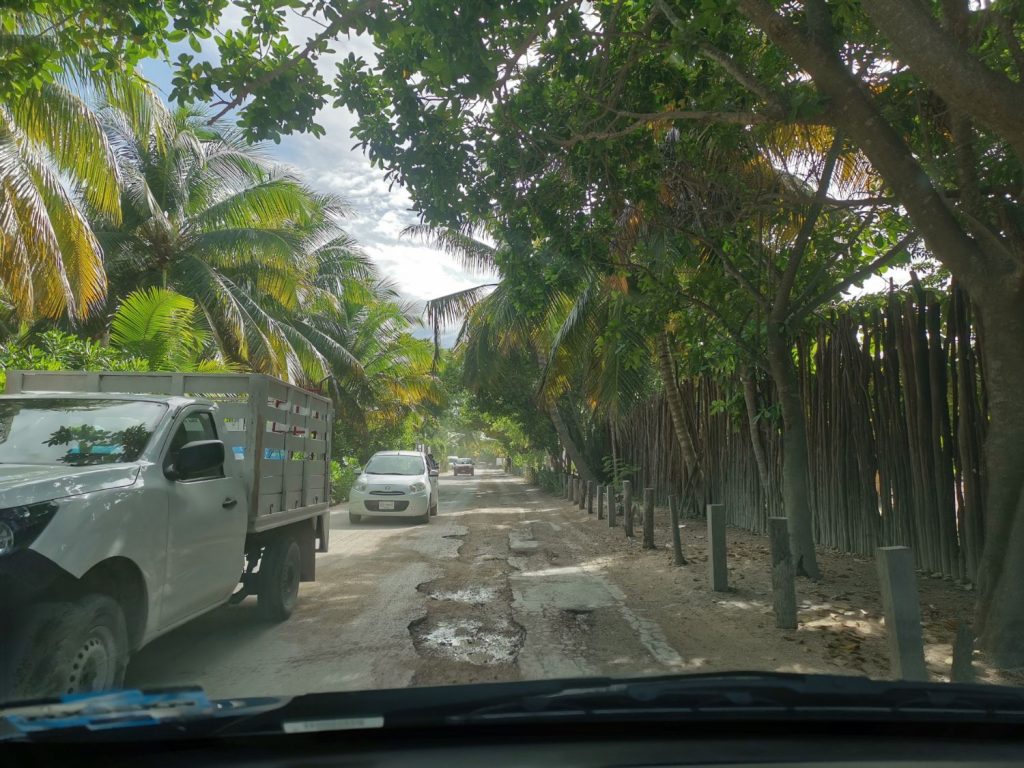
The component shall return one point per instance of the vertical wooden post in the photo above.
(581, 499)
(783, 587)
(717, 570)
(612, 512)
(963, 653)
(677, 541)
(648, 518)
(600, 502)
(902, 608)
(627, 507)
(575, 489)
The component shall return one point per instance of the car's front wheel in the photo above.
(64, 647)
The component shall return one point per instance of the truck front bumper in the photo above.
(25, 575)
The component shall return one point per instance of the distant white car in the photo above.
(394, 484)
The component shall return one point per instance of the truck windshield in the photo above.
(76, 432)
(395, 465)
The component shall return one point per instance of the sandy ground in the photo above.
(510, 583)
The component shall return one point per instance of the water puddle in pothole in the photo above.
(469, 641)
(470, 595)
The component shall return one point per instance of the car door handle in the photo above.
(229, 503)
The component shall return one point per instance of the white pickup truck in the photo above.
(131, 503)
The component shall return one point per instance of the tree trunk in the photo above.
(795, 491)
(569, 444)
(667, 367)
(1001, 568)
(750, 400)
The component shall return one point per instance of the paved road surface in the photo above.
(496, 587)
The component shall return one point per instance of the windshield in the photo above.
(75, 432)
(395, 465)
(721, 304)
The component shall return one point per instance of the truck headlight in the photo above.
(19, 526)
(417, 487)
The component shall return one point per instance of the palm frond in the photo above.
(472, 253)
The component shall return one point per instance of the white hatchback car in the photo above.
(394, 484)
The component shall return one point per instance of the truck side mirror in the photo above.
(196, 458)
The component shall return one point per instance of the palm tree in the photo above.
(55, 157)
(385, 373)
(497, 326)
(211, 218)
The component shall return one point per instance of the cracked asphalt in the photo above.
(496, 587)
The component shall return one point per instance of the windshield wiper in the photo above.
(757, 694)
(726, 697)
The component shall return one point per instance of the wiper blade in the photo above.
(756, 694)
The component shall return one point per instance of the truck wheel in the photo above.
(279, 578)
(60, 648)
(354, 518)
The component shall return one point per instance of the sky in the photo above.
(329, 164)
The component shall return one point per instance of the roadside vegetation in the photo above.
(689, 209)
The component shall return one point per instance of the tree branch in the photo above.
(727, 63)
(854, 110)
(733, 271)
(1005, 25)
(803, 238)
(242, 94)
(959, 77)
(732, 333)
(861, 274)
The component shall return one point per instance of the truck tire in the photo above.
(279, 578)
(66, 647)
(354, 518)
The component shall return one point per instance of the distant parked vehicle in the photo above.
(394, 484)
(463, 467)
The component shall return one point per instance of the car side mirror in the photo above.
(434, 473)
(196, 458)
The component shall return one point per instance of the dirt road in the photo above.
(510, 583)
(472, 596)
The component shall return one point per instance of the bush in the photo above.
(548, 479)
(343, 475)
(58, 351)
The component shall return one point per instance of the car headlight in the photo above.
(417, 486)
(360, 485)
(19, 526)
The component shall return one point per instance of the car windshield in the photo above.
(75, 432)
(395, 465)
(725, 299)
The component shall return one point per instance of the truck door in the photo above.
(206, 528)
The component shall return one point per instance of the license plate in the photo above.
(383, 505)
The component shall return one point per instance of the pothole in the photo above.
(469, 641)
(469, 595)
